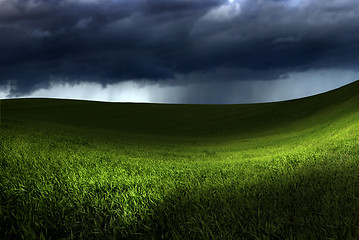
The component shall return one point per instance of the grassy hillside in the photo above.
(91, 170)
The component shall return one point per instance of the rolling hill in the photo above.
(73, 169)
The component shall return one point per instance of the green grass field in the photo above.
(92, 170)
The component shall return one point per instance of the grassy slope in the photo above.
(77, 169)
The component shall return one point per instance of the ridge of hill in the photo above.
(184, 120)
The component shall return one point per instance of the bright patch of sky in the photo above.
(296, 3)
(225, 12)
(5, 89)
(297, 85)
(129, 91)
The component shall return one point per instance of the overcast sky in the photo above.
(179, 51)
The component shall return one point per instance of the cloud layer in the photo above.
(212, 92)
(112, 41)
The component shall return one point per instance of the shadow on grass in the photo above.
(312, 203)
(320, 201)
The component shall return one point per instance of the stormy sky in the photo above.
(179, 51)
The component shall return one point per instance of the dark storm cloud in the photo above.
(109, 41)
